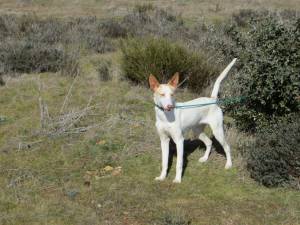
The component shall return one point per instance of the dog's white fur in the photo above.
(173, 122)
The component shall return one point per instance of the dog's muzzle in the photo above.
(169, 107)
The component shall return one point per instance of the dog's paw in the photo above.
(228, 165)
(177, 181)
(203, 159)
(159, 178)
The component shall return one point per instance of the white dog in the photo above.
(171, 122)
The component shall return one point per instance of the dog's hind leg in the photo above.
(217, 129)
(205, 139)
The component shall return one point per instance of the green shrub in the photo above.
(142, 8)
(103, 69)
(164, 58)
(32, 44)
(269, 56)
(21, 56)
(175, 220)
(274, 159)
(113, 29)
(88, 32)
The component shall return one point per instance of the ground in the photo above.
(106, 174)
(68, 179)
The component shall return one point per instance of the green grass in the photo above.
(61, 180)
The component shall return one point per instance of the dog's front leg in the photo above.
(164, 141)
(179, 163)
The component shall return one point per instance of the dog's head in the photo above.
(164, 93)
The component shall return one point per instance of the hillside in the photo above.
(191, 9)
(77, 147)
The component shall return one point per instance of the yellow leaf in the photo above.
(108, 168)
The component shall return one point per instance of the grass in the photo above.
(192, 9)
(63, 180)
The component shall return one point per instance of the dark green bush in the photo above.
(32, 44)
(274, 159)
(113, 28)
(175, 220)
(269, 56)
(164, 58)
(143, 8)
(21, 56)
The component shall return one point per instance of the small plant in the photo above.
(142, 8)
(164, 58)
(104, 70)
(175, 218)
(274, 159)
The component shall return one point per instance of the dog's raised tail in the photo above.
(216, 88)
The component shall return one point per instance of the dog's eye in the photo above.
(172, 94)
(162, 94)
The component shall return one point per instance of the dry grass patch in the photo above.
(192, 9)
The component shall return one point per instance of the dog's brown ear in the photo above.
(153, 82)
(174, 80)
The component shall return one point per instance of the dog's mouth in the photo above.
(168, 108)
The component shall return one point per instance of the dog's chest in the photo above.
(169, 129)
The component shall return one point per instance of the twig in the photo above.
(186, 78)
(68, 94)
(82, 114)
(42, 119)
(28, 144)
